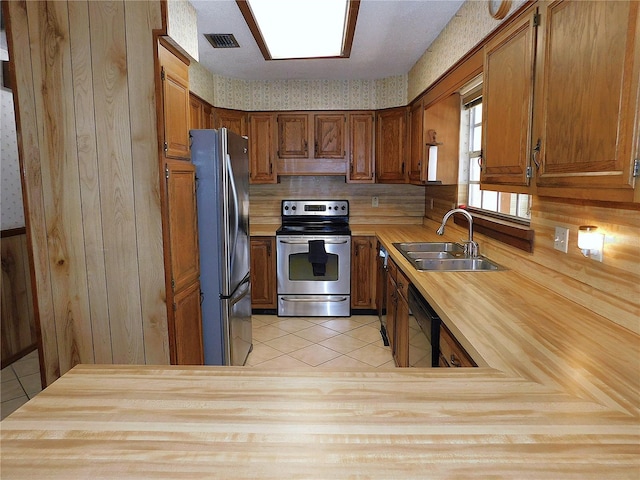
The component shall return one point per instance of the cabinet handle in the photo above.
(315, 151)
(270, 168)
(268, 249)
(306, 147)
(534, 155)
(351, 167)
(402, 167)
(454, 361)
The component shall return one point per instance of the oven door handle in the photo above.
(306, 242)
(315, 299)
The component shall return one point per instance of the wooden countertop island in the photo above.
(240, 423)
(557, 395)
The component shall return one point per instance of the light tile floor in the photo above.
(278, 342)
(289, 342)
(20, 382)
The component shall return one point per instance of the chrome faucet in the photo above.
(471, 248)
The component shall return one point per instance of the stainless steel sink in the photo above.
(429, 247)
(456, 264)
(443, 257)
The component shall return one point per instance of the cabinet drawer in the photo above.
(451, 352)
(403, 284)
(392, 269)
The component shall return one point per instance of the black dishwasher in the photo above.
(427, 323)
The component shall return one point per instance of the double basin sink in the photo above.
(444, 257)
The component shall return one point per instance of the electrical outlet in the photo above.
(374, 202)
(561, 239)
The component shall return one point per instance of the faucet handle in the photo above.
(471, 248)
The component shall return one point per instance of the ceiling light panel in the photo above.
(301, 28)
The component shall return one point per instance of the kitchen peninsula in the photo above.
(552, 399)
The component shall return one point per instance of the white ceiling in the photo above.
(391, 35)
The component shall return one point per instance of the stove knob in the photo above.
(344, 207)
(286, 207)
(293, 208)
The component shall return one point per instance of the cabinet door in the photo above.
(390, 142)
(392, 304)
(363, 272)
(188, 326)
(451, 352)
(196, 120)
(207, 115)
(507, 103)
(589, 102)
(262, 148)
(183, 223)
(175, 104)
(329, 136)
(401, 350)
(233, 120)
(293, 135)
(442, 124)
(416, 144)
(263, 272)
(361, 145)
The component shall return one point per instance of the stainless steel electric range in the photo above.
(314, 259)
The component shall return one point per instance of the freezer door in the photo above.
(238, 323)
(236, 210)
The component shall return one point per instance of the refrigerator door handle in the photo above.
(235, 217)
(236, 298)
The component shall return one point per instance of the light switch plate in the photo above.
(561, 239)
(374, 201)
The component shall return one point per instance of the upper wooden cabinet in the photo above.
(561, 102)
(233, 120)
(507, 105)
(391, 133)
(175, 103)
(305, 138)
(441, 139)
(262, 148)
(361, 148)
(200, 113)
(329, 141)
(416, 144)
(293, 135)
(588, 102)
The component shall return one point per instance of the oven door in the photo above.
(295, 273)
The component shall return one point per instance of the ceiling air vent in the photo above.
(222, 40)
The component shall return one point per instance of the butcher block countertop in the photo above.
(556, 395)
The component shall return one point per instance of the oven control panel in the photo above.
(324, 208)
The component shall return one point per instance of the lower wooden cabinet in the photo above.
(263, 273)
(188, 326)
(451, 352)
(398, 314)
(363, 272)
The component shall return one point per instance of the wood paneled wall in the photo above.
(396, 203)
(610, 288)
(17, 320)
(85, 101)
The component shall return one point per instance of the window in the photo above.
(513, 206)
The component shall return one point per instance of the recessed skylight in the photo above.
(289, 29)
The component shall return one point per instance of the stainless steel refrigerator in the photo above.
(222, 192)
